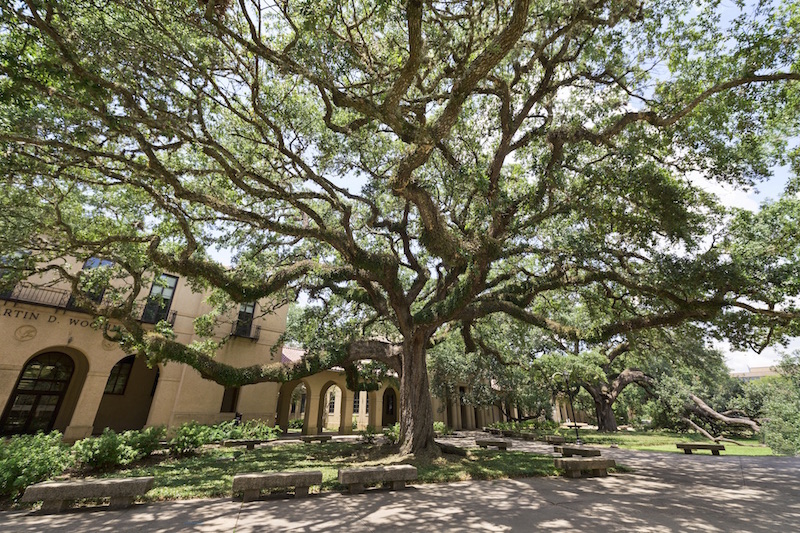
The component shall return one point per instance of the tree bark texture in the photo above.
(603, 408)
(416, 409)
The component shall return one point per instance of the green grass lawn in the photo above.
(664, 441)
(210, 473)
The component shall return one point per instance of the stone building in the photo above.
(58, 372)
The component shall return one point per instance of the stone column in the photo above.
(85, 412)
(284, 404)
(312, 414)
(377, 408)
(481, 418)
(9, 374)
(455, 409)
(346, 411)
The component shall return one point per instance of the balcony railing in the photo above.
(49, 297)
(22, 292)
(245, 331)
(148, 318)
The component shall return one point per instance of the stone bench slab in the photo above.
(499, 444)
(554, 439)
(251, 444)
(251, 484)
(57, 495)
(569, 451)
(573, 466)
(357, 478)
(312, 438)
(687, 447)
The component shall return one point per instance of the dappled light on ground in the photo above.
(661, 493)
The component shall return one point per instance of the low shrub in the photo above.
(369, 435)
(296, 423)
(29, 459)
(442, 428)
(252, 429)
(188, 438)
(107, 450)
(392, 434)
(145, 441)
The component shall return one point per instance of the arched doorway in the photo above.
(39, 394)
(330, 408)
(127, 397)
(292, 409)
(389, 408)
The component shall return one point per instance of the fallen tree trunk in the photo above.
(702, 409)
(706, 434)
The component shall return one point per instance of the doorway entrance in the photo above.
(38, 395)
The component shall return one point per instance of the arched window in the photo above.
(119, 376)
(38, 395)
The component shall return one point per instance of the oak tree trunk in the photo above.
(416, 409)
(606, 421)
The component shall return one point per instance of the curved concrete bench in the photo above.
(497, 443)
(573, 466)
(57, 495)
(397, 475)
(251, 485)
(687, 447)
(312, 438)
(569, 451)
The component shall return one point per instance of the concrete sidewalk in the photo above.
(666, 492)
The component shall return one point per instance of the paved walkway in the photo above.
(666, 492)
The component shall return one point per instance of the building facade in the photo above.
(57, 372)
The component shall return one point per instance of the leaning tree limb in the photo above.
(702, 409)
(706, 434)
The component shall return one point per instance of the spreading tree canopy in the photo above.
(426, 164)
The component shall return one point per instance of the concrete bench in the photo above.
(312, 438)
(573, 466)
(554, 439)
(687, 447)
(251, 485)
(569, 451)
(527, 435)
(493, 431)
(499, 444)
(396, 475)
(58, 495)
(251, 444)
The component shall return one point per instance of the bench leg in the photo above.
(600, 472)
(482, 446)
(398, 485)
(54, 506)
(714, 452)
(251, 446)
(120, 502)
(356, 488)
(573, 473)
(300, 492)
(687, 451)
(250, 495)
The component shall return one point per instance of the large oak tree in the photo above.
(426, 163)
